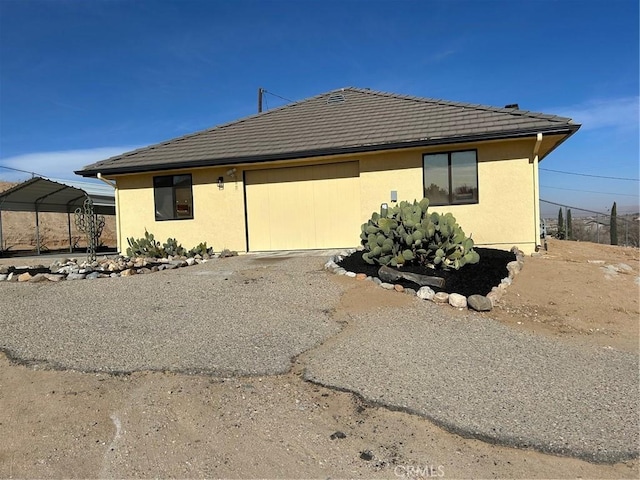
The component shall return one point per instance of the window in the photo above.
(451, 178)
(173, 197)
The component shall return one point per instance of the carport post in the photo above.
(37, 230)
(69, 225)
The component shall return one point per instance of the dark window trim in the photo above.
(173, 197)
(449, 153)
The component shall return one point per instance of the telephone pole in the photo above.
(260, 92)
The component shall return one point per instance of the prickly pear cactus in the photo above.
(409, 234)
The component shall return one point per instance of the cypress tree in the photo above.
(560, 234)
(569, 227)
(613, 226)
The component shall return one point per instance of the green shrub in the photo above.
(145, 247)
(173, 248)
(148, 246)
(408, 234)
(201, 250)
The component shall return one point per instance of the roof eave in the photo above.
(566, 129)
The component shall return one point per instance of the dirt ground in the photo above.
(77, 425)
(572, 292)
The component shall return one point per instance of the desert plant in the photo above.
(201, 250)
(569, 225)
(409, 234)
(560, 233)
(173, 248)
(613, 226)
(147, 246)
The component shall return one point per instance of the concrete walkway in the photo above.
(250, 315)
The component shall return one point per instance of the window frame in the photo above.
(450, 202)
(174, 187)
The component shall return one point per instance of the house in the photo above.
(308, 174)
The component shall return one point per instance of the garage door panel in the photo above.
(303, 207)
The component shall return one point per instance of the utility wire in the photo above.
(594, 176)
(33, 174)
(590, 191)
(276, 95)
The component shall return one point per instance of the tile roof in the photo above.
(340, 121)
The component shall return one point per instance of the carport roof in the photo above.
(44, 195)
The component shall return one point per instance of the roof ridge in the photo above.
(476, 106)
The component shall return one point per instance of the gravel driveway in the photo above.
(244, 315)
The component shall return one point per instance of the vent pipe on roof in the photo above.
(513, 106)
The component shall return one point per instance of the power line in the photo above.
(590, 191)
(276, 95)
(594, 176)
(22, 171)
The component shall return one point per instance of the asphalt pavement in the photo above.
(251, 315)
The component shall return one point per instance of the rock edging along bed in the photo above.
(476, 301)
(119, 266)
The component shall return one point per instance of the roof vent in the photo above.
(336, 98)
(513, 106)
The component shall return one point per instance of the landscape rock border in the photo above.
(480, 303)
(118, 266)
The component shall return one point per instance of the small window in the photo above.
(173, 197)
(451, 178)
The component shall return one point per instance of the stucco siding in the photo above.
(218, 215)
(504, 216)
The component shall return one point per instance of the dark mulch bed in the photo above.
(469, 280)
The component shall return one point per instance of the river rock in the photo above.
(458, 301)
(52, 277)
(514, 268)
(38, 277)
(92, 275)
(128, 272)
(494, 297)
(425, 293)
(76, 276)
(24, 277)
(441, 297)
(480, 303)
(387, 286)
(3, 277)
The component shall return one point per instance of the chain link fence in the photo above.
(588, 225)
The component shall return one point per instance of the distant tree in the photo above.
(569, 226)
(560, 233)
(613, 226)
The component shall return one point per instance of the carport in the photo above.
(43, 195)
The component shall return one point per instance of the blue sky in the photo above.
(83, 80)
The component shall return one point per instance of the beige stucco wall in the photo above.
(218, 215)
(504, 216)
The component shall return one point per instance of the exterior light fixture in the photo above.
(220, 183)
